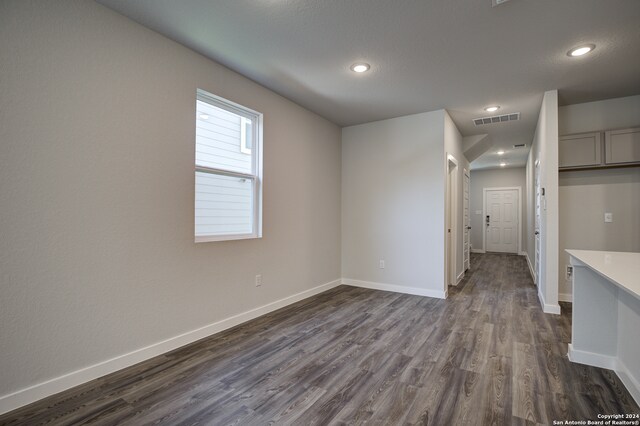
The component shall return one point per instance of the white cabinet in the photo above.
(622, 146)
(580, 150)
(606, 149)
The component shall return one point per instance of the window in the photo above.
(228, 193)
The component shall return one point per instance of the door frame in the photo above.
(537, 221)
(466, 265)
(484, 214)
(451, 220)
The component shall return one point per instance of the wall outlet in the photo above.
(381, 264)
(258, 280)
(569, 272)
(608, 217)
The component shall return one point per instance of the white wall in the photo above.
(393, 202)
(97, 257)
(453, 146)
(586, 195)
(494, 178)
(545, 149)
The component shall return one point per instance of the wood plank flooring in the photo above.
(487, 355)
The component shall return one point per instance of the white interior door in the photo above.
(501, 220)
(466, 228)
(536, 268)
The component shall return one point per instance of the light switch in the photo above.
(608, 217)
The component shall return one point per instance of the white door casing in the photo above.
(502, 219)
(537, 225)
(451, 220)
(466, 228)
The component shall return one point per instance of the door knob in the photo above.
(468, 227)
(536, 233)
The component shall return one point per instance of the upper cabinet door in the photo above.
(580, 150)
(622, 146)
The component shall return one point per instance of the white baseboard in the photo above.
(38, 391)
(548, 308)
(611, 363)
(477, 251)
(630, 382)
(589, 358)
(565, 297)
(460, 278)
(533, 274)
(552, 309)
(396, 288)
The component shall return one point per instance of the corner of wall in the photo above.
(545, 149)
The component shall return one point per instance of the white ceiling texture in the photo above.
(462, 55)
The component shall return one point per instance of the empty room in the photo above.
(331, 212)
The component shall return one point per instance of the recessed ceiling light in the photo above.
(204, 116)
(503, 164)
(492, 108)
(500, 152)
(581, 50)
(360, 67)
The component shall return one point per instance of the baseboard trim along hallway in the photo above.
(565, 297)
(548, 308)
(533, 274)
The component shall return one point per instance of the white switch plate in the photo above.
(258, 280)
(608, 217)
(381, 264)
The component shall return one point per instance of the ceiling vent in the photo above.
(496, 119)
(520, 145)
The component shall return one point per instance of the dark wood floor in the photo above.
(487, 355)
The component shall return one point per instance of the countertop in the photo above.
(621, 268)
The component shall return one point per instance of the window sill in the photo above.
(213, 238)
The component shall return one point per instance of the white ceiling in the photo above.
(425, 55)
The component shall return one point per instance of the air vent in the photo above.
(520, 145)
(496, 119)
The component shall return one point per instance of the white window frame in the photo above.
(256, 165)
(243, 136)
